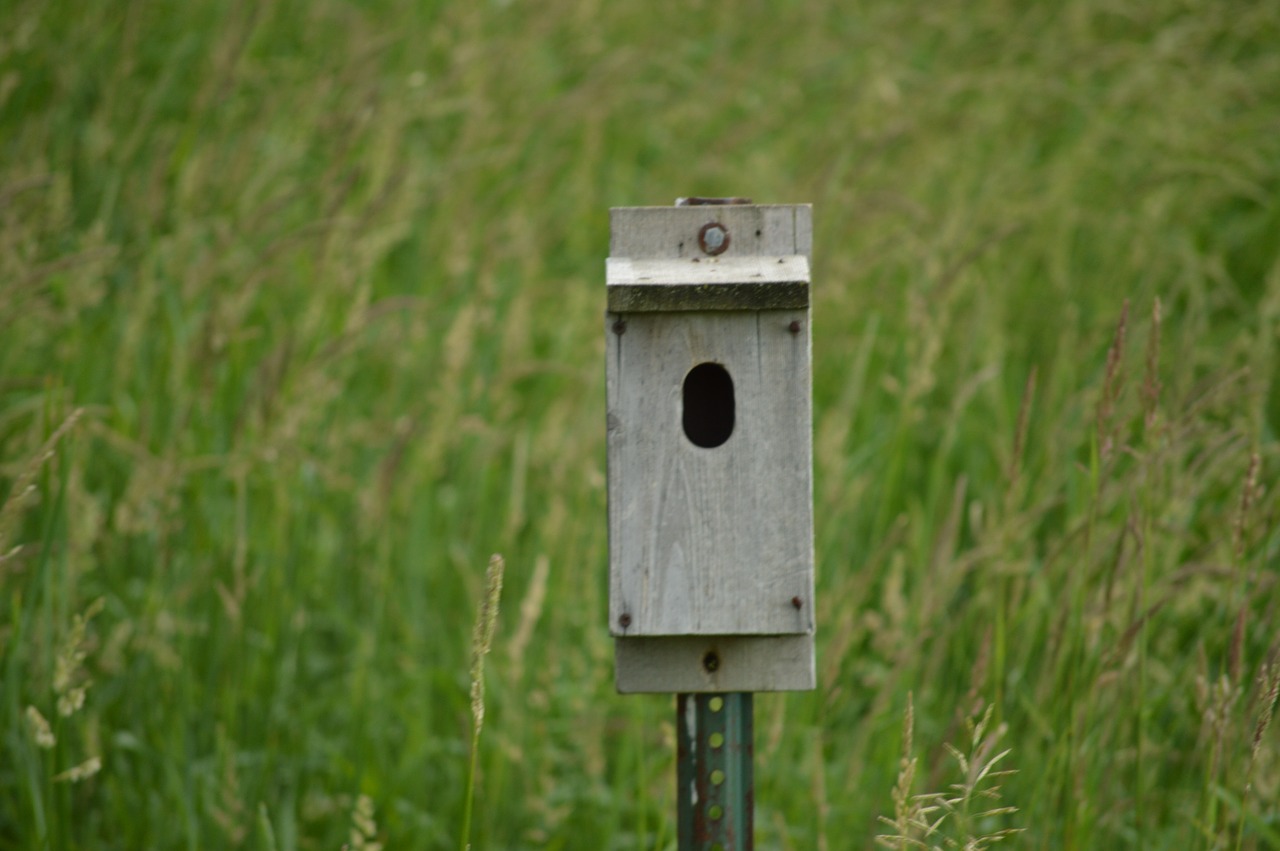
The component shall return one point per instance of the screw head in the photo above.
(711, 661)
(713, 239)
(794, 327)
(624, 620)
(797, 603)
(620, 327)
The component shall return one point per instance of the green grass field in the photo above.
(300, 321)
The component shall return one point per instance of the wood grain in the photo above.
(710, 541)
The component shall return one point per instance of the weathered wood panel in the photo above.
(710, 541)
(672, 232)
(741, 663)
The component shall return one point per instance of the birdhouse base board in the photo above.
(703, 664)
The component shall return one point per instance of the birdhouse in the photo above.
(710, 448)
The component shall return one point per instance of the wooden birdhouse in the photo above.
(710, 448)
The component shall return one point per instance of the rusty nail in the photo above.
(711, 661)
(620, 327)
(797, 602)
(794, 326)
(713, 239)
(624, 620)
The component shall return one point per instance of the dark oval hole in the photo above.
(708, 405)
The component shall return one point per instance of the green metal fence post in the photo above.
(714, 777)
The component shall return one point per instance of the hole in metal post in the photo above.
(708, 405)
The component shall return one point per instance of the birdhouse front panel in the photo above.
(709, 437)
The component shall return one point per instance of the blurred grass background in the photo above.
(300, 320)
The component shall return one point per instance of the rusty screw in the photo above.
(713, 239)
(794, 327)
(797, 603)
(620, 327)
(624, 620)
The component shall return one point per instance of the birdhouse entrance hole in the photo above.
(708, 405)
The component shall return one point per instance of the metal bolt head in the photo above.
(713, 239)
(794, 327)
(711, 661)
(624, 620)
(797, 603)
(620, 327)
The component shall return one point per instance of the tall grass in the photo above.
(300, 318)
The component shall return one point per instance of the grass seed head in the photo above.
(1269, 680)
(364, 828)
(1151, 376)
(1248, 493)
(1112, 385)
(77, 773)
(38, 727)
(70, 681)
(482, 639)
